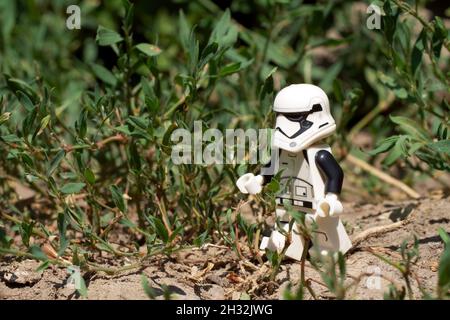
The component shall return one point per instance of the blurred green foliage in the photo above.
(87, 114)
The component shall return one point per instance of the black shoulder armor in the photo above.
(332, 171)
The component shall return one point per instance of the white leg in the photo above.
(331, 236)
(295, 250)
(264, 244)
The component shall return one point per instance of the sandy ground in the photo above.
(215, 272)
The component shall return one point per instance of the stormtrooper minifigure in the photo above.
(310, 177)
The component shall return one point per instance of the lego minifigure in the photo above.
(311, 179)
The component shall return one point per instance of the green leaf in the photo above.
(129, 13)
(444, 268)
(135, 158)
(72, 187)
(89, 175)
(44, 265)
(384, 145)
(55, 162)
(175, 233)
(272, 256)
(105, 219)
(342, 266)
(442, 146)
(8, 17)
(27, 160)
(273, 186)
(29, 122)
(327, 81)
(184, 30)
(104, 246)
(5, 240)
(62, 228)
(338, 91)
(128, 223)
(329, 42)
(75, 257)
(417, 52)
(298, 216)
(117, 196)
(123, 129)
(81, 123)
(387, 80)
(11, 138)
(149, 291)
(5, 117)
(390, 20)
(161, 230)
(444, 236)
(37, 253)
(138, 122)
(267, 87)
(107, 37)
(25, 101)
(230, 69)
(148, 49)
(17, 85)
(166, 138)
(201, 239)
(439, 36)
(400, 93)
(26, 230)
(278, 52)
(403, 36)
(415, 147)
(397, 151)
(44, 123)
(207, 54)
(104, 74)
(224, 33)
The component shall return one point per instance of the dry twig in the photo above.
(374, 231)
(382, 176)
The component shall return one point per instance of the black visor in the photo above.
(300, 117)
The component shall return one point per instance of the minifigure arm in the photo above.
(267, 173)
(332, 171)
(249, 183)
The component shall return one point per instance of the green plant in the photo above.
(126, 121)
(409, 255)
(153, 293)
(418, 84)
(443, 288)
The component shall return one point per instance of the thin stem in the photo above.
(380, 107)
(383, 176)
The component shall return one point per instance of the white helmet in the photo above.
(303, 117)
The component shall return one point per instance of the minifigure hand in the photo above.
(249, 183)
(329, 206)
